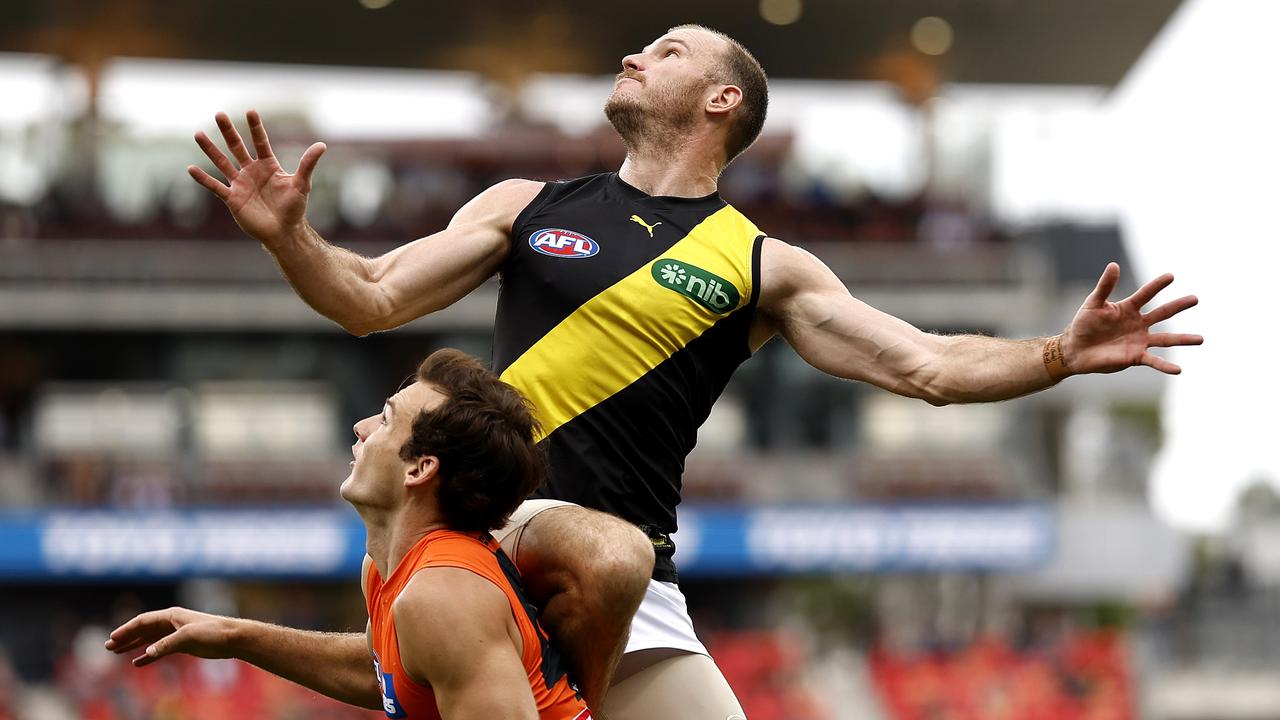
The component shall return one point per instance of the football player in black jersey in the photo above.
(685, 106)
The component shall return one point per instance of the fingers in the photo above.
(142, 630)
(131, 643)
(160, 648)
(234, 143)
(220, 161)
(1106, 284)
(135, 625)
(209, 182)
(307, 164)
(145, 636)
(1173, 340)
(259, 133)
(1160, 364)
(147, 623)
(1169, 309)
(1150, 290)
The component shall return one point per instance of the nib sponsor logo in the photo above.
(705, 288)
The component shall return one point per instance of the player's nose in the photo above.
(633, 62)
(361, 428)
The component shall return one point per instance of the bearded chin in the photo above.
(648, 128)
(629, 118)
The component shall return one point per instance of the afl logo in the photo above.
(563, 243)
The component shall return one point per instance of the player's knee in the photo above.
(634, 556)
(589, 554)
(622, 567)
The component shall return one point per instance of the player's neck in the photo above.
(389, 539)
(684, 174)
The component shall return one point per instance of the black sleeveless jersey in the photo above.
(621, 317)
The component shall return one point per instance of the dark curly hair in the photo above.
(485, 437)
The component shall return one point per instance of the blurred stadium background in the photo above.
(174, 421)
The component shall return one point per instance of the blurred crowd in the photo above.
(769, 666)
(1083, 676)
(102, 481)
(105, 687)
(388, 191)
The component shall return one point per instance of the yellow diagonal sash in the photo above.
(618, 336)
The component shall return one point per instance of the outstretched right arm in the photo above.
(335, 664)
(363, 295)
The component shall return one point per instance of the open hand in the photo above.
(176, 630)
(266, 202)
(1105, 337)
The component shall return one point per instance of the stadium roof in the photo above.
(1091, 42)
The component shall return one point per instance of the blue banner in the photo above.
(713, 541)
(861, 538)
(175, 544)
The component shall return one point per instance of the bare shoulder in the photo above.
(500, 203)
(448, 592)
(786, 269)
(443, 613)
(780, 257)
(514, 190)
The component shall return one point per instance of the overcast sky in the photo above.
(1197, 120)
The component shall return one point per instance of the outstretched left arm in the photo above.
(805, 302)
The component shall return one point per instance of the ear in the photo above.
(422, 471)
(726, 98)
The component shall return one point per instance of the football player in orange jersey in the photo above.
(451, 633)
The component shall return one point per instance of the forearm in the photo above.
(977, 368)
(337, 283)
(833, 331)
(334, 664)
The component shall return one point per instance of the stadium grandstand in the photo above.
(175, 421)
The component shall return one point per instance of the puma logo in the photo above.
(647, 226)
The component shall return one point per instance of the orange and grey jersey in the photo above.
(402, 696)
(621, 317)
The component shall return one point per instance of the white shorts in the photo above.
(663, 618)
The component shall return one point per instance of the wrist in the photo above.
(291, 239)
(1055, 359)
(237, 636)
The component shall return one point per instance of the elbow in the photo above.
(937, 401)
(625, 561)
(357, 329)
(373, 314)
(634, 560)
(938, 393)
(370, 306)
(931, 394)
(932, 381)
(619, 574)
(925, 383)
